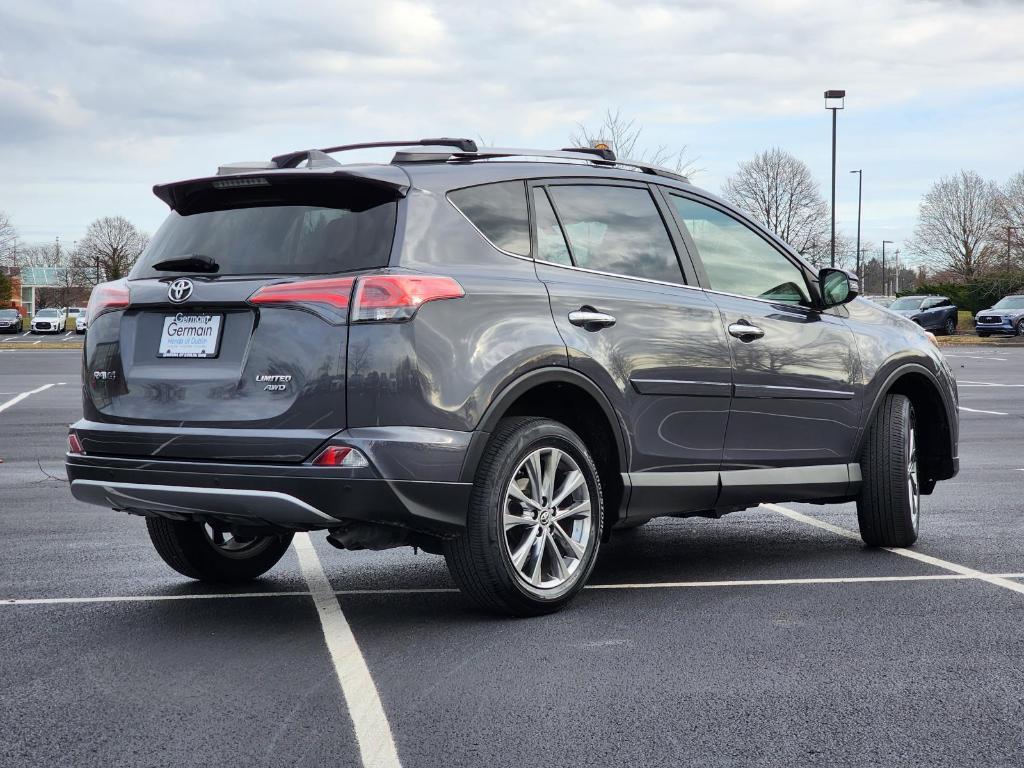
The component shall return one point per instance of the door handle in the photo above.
(590, 319)
(744, 331)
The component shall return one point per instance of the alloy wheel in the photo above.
(913, 487)
(547, 519)
(230, 545)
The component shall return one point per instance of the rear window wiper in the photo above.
(189, 262)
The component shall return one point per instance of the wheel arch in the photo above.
(936, 419)
(567, 396)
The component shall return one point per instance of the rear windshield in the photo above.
(277, 239)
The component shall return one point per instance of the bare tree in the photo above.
(957, 224)
(8, 242)
(108, 251)
(42, 255)
(778, 190)
(623, 135)
(1010, 211)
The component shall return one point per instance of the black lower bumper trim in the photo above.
(297, 497)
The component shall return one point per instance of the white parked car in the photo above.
(49, 321)
(82, 322)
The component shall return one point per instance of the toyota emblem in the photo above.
(180, 290)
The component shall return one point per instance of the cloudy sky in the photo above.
(99, 100)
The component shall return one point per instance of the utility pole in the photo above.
(885, 279)
(1008, 262)
(860, 179)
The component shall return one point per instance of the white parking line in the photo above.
(22, 396)
(985, 384)
(997, 580)
(448, 591)
(979, 357)
(976, 410)
(376, 744)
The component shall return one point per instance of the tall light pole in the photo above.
(834, 101)
(885, 282)
(897, 279)
(860, 178)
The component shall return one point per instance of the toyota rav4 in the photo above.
(502, 356)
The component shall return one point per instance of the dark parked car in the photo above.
(500, 356)
(1005, 316)
(11, 321)
(933, 313)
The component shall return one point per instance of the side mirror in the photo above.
(837, 286)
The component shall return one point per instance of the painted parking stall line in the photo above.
(373, 733)
(978, 410)
(994, 579)
(15, 400)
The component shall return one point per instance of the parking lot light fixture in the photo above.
(834, 100)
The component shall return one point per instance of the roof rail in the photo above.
(579, 154)
(292, 159)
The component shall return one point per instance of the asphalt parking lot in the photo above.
(771, 637)
(29, 339)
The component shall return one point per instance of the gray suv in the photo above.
(502, 356)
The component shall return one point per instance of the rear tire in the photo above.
(950, 327)
(1020, 327)
(199, 552)
(889, 504)
(534, 524)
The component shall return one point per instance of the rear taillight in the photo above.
(106, 297)
(375, 298)
(393, 298)
(74, 444)
(341, 456)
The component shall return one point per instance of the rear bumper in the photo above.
(296, 497)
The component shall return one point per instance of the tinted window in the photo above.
(499, 211)
(550, 240)
(737, 260)
(907, 302)
(616, 229)
(274, 239)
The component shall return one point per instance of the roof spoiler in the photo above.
(178, 195)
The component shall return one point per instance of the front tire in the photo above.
(889, 504)
(534, 524)
(950, 326)
(1020, 327)
(201, 552)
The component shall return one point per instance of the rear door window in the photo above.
(550, 239)
(499, 212)
(617, 230)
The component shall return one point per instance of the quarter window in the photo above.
(617, 230)
(499, 211)
(550, 240)
(737, 260)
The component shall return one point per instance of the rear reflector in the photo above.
(341, 456)
(393, 298)
(106, 297)
(74, 444)
(333, 292)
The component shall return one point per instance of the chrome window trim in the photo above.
(616, 274)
